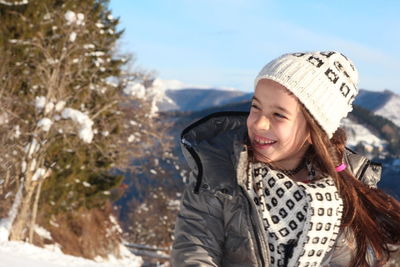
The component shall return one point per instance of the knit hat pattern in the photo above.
(324, 82)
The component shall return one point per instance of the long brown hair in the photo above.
(372, 216)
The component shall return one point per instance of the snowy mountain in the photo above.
(173, 95)
(191, 99)
(385, 104)
(359, 134)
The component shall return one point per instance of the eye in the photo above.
(279, 115)
(254, 106)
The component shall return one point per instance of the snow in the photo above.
(17, 132)
(38, 174)
(5, 223)
(72, 18)
(19, 254)
(115, 226)
(86, 184)
(49, 107)
(33, 165)
(95, 53)
(72, 37)
(47, 16)
(89, 46)
(86, 134)
(60, 105)
(40, 102)
(85, 123)
(14, 3)
(32, 147)
(134, 123)
(23, 166)
(357, 133)
(80, 17)
(391, 109)
(157, 92)
(135, 89)
(174, 204)
(42, 232)
(45, 124)
(131, 138)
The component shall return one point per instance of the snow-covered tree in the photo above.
(69, 110)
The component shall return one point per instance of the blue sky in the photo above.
(226, 42)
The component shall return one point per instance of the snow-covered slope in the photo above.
(19, 254)
(168, 95)
(391, 109)
(385, 104)
(358, 133)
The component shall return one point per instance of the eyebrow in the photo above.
(275, 106)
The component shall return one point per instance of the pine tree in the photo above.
(64, 121)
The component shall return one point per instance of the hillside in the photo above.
(385, 104)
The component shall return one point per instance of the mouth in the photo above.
(262, 142)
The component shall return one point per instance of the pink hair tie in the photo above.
(341, 167)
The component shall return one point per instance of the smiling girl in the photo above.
(277, 186)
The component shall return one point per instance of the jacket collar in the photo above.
(225, 125)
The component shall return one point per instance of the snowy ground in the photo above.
(19, 254)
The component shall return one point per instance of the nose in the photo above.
(262, 123)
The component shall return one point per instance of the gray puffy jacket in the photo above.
(217, 224)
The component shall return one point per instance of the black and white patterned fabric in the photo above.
(301, 219)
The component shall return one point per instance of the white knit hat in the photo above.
(325, 82)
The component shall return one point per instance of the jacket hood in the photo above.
(214, 141)
(212, 126)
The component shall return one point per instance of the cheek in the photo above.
(283, 133)
(292, 136)
(286, 132)
(249, 122)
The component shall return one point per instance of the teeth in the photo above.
(263, 142)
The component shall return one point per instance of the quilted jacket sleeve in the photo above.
(199, 232)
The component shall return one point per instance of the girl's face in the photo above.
(276, 126)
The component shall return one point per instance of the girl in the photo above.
(277, 187)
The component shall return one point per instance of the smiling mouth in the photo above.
(258, 140)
